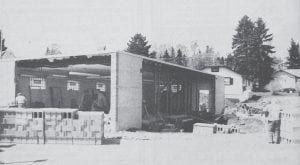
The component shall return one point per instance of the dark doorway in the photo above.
(56, 97)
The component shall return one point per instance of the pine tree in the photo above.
(251, 50)
(153, 54)
(173, 52)
(138, 45)
(242, 43)
(179, 58)
(294, 56)
(166, 57)
(184, 60)
(172, 55)
(262, 62)
(230, 61)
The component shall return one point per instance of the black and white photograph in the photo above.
(150, 82)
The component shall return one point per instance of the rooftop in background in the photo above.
(227, 67)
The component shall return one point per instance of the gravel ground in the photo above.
(160, 148)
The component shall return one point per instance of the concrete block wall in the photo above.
(290, 127)
(71, 127)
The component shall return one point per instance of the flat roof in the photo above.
(167, 63)
(67, 56)
(51, 110)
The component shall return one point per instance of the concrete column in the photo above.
(114, 90)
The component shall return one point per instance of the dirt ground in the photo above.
(139, 148)
(160, 148)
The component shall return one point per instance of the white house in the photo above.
(289, 78)
(236, 86)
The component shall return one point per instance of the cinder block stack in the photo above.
(7, 123)
(53, 125)
(226, 129)
(208, 129)
(204, 128)
(290, 126)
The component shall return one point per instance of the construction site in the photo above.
(151, 95)
(151, 103)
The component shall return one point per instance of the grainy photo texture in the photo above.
(154, 82)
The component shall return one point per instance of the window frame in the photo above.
(230, 82)
(71, 87)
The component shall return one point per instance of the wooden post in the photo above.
(44, 128)
(155, 91)
(159, 94)
(170, 96)
(197, 95)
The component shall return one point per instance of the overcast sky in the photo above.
(29, 26)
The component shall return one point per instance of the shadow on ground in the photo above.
(6, 146)
(27, 161)
(112, 141)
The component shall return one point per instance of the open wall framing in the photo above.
(172, 90)
(134, 85)
(60, 83)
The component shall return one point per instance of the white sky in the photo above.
(29, 26)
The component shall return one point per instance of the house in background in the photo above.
(236, 85)
(288, 78)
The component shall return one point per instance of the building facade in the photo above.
(133, 85)
(288, 78)
(236, 86)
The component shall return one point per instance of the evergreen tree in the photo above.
(261, 60)
(166, 57)
(251, 50)
(138, 45)
(230, 61)
(172, 55)
(179, 58)
(241, 44)
(153, 54)
(184, 60)
(294, 56)
(219, 61)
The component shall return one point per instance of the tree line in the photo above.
(251, 56)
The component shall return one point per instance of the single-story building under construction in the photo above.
(134, 85)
